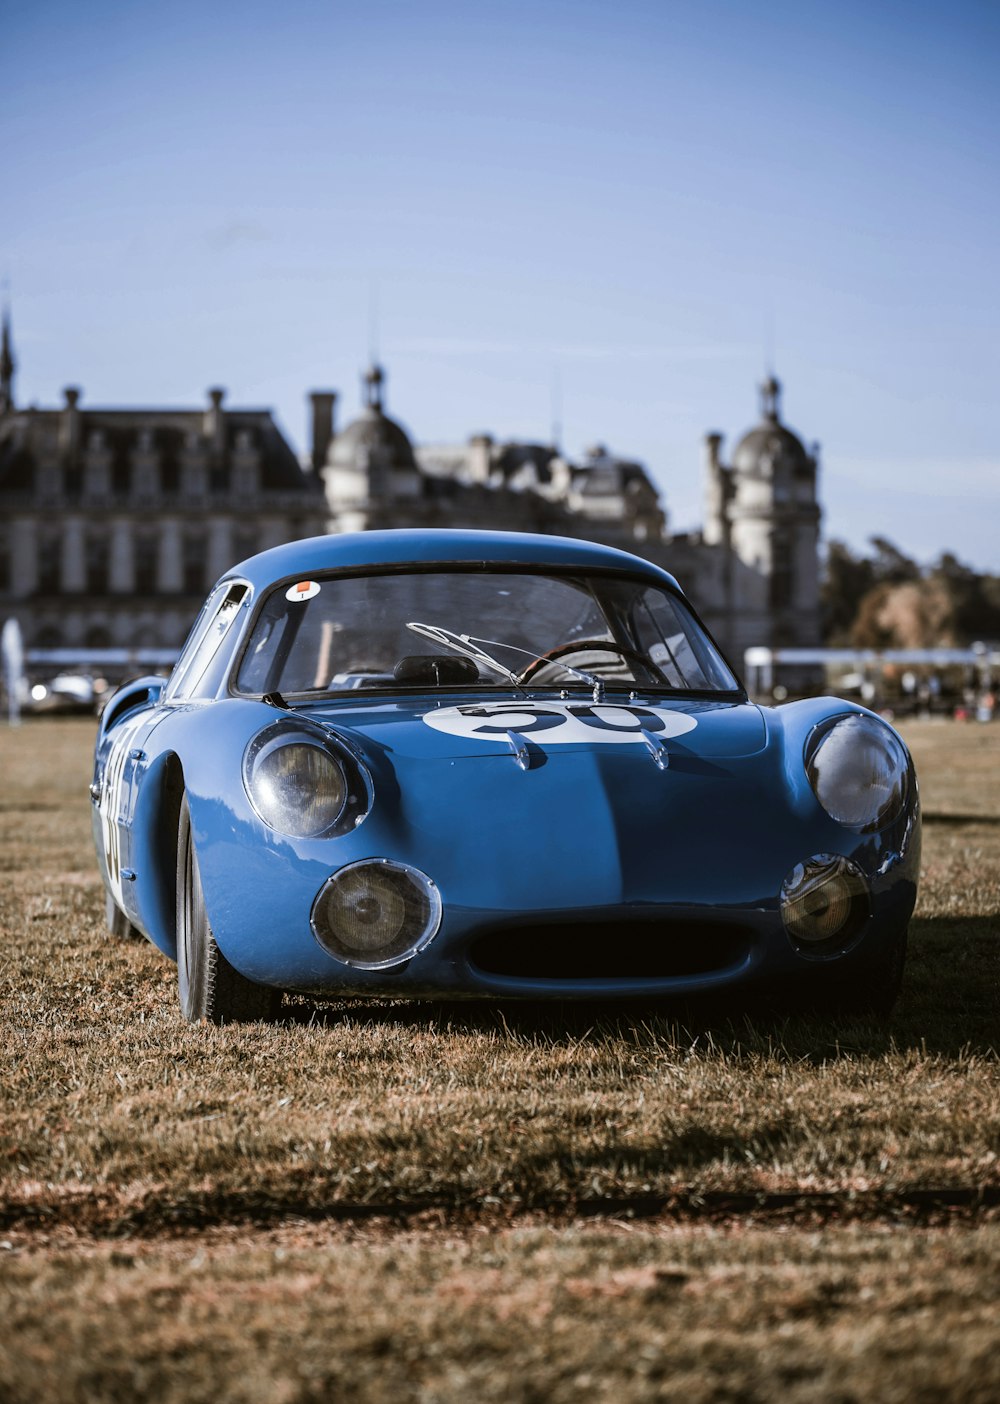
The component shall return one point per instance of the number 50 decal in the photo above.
(560, 723)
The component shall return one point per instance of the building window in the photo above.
(97, 637)
(782, 576)
(170, 474)
(146, 556)
(193, 563)
(244, 543)
(50, 563)
(121, 472)
(97, 565)
(245, 479)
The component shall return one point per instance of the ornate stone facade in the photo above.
(762, 516)
(114, 522)
(373, 477)
(753, 571)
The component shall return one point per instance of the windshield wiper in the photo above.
(468, 645)
(463, 644)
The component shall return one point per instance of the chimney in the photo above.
(717, 491)
(560, 476)
(713, 445)
(480, 458)
(69, 425)
(215, 421)
(323, 404)
(7, 365)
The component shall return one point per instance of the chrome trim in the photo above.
(657, 749)
(519, 749)
(420, 880)
(895, 856)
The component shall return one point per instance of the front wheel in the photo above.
(210, 988)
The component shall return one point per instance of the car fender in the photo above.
(890, 857)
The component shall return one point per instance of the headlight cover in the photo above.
(300, 784)
(375, 914)
(859, 771)
(825, 903)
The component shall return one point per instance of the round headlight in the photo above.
(376, 913)
(859, 768)
(824, 902)
(298, 784)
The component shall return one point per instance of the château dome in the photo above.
(770, 443)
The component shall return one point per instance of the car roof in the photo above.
(315, 554)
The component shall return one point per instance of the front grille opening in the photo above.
(610, 950)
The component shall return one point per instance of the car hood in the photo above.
(429, 728)
(516, 805)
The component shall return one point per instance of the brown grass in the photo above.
(121, 1128)
(526, 1313)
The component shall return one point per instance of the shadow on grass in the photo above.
(950, 1005)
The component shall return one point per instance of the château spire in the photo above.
(770, 398)
(7, 365)
(371, 387)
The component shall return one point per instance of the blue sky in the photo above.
(614, 212)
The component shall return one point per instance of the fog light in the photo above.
(824, 902)
(376, 913)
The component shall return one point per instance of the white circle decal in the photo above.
(304, 590)
(561, 723)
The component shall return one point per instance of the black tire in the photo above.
(208, 985)
(117, 922)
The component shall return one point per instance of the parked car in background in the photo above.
(66, 692)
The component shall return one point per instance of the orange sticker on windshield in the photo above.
(304, 590)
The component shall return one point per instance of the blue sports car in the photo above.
(449, 763)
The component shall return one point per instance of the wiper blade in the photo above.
(468, 645)
(462, 643)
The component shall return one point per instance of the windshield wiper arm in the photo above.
(462, 643)
(590, 678)
(468, 645)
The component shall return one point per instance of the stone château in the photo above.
(115, 521)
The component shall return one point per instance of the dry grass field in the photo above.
(463, 1202)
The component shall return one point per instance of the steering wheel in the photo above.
(630, 655)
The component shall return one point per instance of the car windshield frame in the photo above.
(573, 573)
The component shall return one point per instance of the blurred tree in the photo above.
(846, 581)
(974, 599)
(889, 564)
(909, 614)
(886, 600)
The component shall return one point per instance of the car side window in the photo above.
(683, 655)
(220, 613)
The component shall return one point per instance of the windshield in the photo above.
(462, 628)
